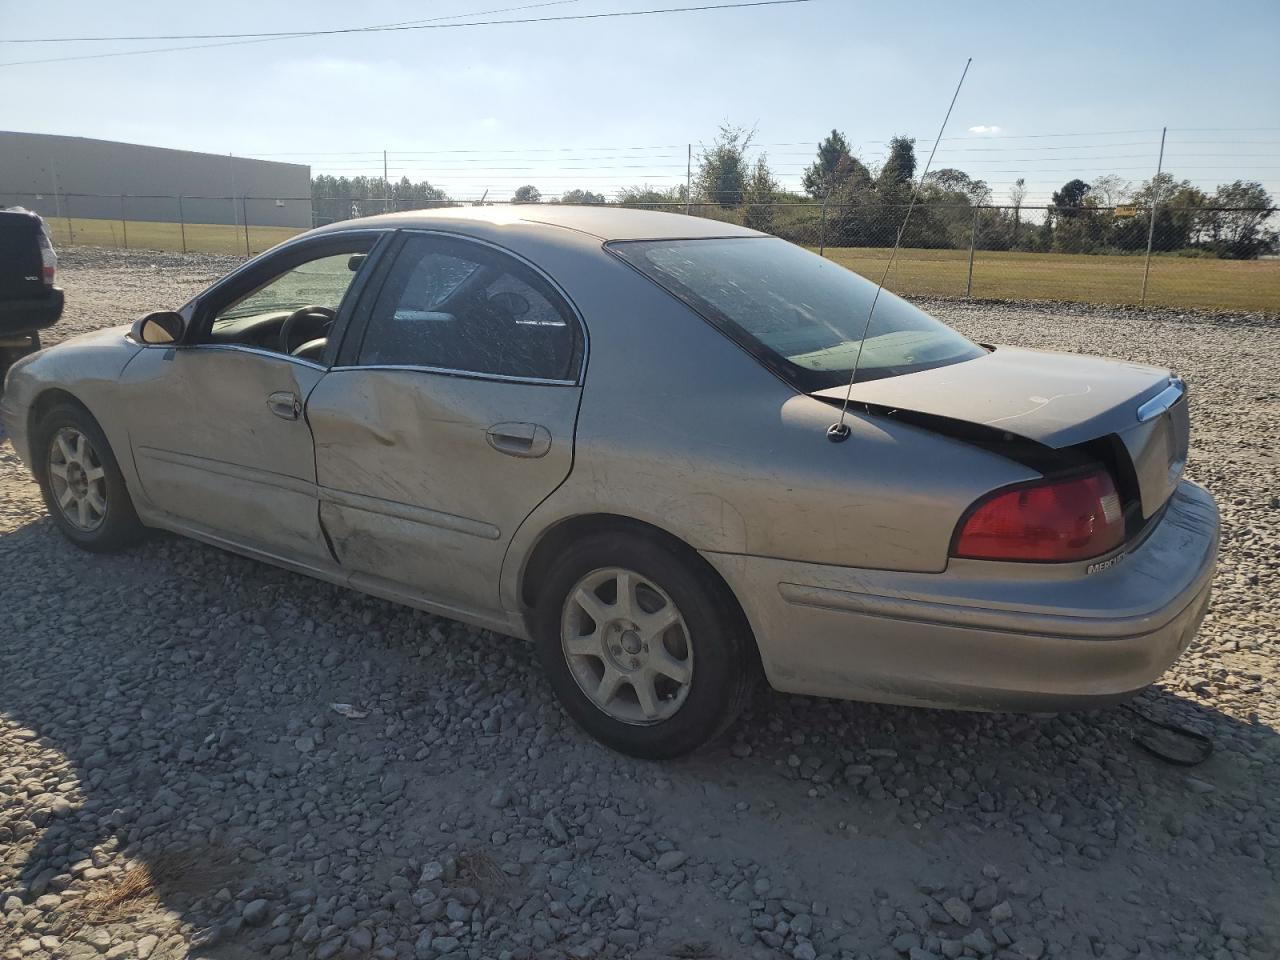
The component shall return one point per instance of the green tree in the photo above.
(834, 167)
(723, 168)
(581, 197)
(1109, 189)
(952, 185)
(1068, 200)
(1178, 216)
(644, 195)
(899, 169)
(760, 193)
(527, 194)
(1239, 231)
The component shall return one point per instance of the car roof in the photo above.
(603, 222)
(16, 216)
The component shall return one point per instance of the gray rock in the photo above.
(255, 913)
(958, 910)
(671, 860)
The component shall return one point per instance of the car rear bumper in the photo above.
(24, 316)
(982, 635)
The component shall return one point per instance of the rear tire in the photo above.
(645, 647)
(81, 481)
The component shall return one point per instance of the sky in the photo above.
(1056, 90)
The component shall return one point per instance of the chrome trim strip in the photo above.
(237, 348)
(468, 374)
(405, 511)
(1163, 400)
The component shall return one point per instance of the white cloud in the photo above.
(984, 128)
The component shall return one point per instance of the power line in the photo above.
(242, 38)
(238, 43)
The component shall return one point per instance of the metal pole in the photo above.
(386, 185)
(1151, 230)
(688, 181)
(822, 235)
(973, 242)
(235, 223)
(71, 236)
(182, 223)
(57, 204)
(244, 204)
(124, 225)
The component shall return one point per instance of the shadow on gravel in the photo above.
(170, 749)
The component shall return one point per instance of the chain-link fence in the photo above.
(1203, 257)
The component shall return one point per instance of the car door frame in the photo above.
(495, 617)
(200, 312)
(347, 355)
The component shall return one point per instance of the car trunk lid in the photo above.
(1057, 400)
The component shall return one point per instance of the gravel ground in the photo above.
(176, 782)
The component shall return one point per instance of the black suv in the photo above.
(29, 301)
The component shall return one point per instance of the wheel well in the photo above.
(45, 402)
(558, 538)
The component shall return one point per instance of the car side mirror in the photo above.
(163, 326)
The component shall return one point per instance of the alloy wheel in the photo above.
(627, 646)
(78, 480)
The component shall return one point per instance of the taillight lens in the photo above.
(48, 259)
(1053, 521)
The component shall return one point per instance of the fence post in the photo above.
(1151, 230)
(182, 223)
(973, 242)
(688, 180)
(386, 186)
(244, 208)
(124, 224)
(822, 230)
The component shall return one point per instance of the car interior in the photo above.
(293, 312)
(456, 314)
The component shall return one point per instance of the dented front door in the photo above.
(220, 444)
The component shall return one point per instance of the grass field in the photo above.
(1200, 283)
(148, 235)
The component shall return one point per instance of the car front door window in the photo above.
(293, 312)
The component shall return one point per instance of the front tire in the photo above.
(645, 648)
(81, 481)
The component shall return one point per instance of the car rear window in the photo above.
(801, 315)
(21, 269)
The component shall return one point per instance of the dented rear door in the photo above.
(449, 419)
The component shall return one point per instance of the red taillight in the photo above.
(48, 260)
(1056, 520)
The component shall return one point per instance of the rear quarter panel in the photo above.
(682, 429)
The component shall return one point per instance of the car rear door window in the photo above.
(457, 306)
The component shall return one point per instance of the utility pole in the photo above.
(973, 242)
(386, 185)
(1151, 230)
